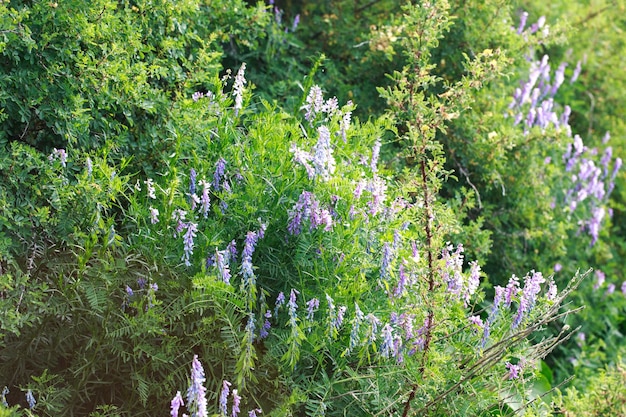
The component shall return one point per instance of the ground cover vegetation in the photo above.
(311, 208)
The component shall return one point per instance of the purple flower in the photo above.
(610, 289)
(624, 287)
(223, 268)
(476, 321)
(320, 217)
(375, 155)
(402, 281)
(196, 394)
(514, 370)
(497, 299)
(154, 215)
(354, 333)
(522, 23)
(60, 154)
(511, 290)
(192, 181)
(280, 301)
(532, 287)
(312, 305)
(323, 160)
(205, 201)
(236, 403)
(331, 106)
(452, 272)
(576, 72)
(188, 241)
(253, 413)
(266, 325)
(600, 277)
(559, 77)
(385, 261)
(220, 169)
(387, 348)
(292, 306)
(374, 322)
(557, 267)
(238, 88)
(224, 398)
(30, 399)
(314, 103)
(129, 291)
(175, 404)
(296, 22)
(308, 208)
(303, 158)
(246, 258)
(178, 215)
(197, 95)
(340, 315)
(594, 223)
(378, 189)
(473, 282)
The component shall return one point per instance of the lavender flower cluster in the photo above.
(196, 397)
(610, 287)
(397, 337)
(321, 156)
(188, 229)
(526, 298)
(308, 209)
(590, 182)
(319, 162)
(452, 273)
(30, 398)
(536, 96)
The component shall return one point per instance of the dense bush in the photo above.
(156, 211)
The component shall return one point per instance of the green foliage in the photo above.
(154, 208)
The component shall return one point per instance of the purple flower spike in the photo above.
(220, 169)
(175, 404)
(196, 394)
(264, 332)
(246, 258)
(323, 160)
(387, 348)
(514, 370)
(532, 287)
(192, 181)
(205, 201)
(522, 23)
(236, 403)
(375, 155)
(280, 301)
(224, 398)
(192, 228)
(154, 215)
(314, 103)
(576, 72)
(292, 306)
(312, 306)
(223, 269)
